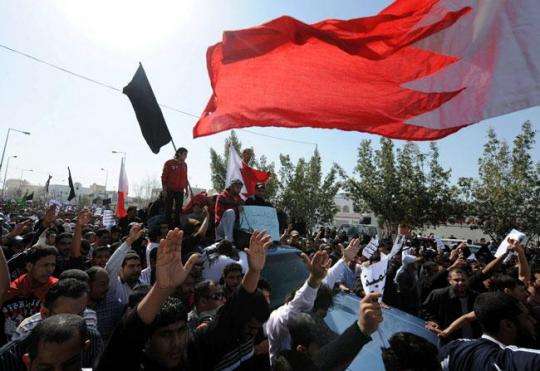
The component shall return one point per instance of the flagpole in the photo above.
(174, 145)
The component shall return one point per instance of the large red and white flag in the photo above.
(419, 70)
(122, 191)
(238, 169)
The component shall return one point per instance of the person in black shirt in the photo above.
(258, 198)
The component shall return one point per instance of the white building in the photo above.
(346, 214)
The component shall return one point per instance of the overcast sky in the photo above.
(76, 123)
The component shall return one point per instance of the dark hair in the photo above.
(231, 267)
(76, 274)
(99, 249)
(92, 271)
(58, 329)
(503, 281)
(137, 295)
(63, 236)
(67, 288)
(492, 307)
(410, 352)
(37, 252)
(154, 234)
(171, 311)
(102, 232)
(131, 208)
(264, 285)
(201, 290)
(324, 299)
(458, 271)
(131, 255)
(85, 245)
(303, 330)
(181, 151)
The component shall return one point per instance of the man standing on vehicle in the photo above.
(174, 181)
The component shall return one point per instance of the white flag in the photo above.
(234, 167)
(373, 277)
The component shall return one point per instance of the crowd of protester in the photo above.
(171, 288)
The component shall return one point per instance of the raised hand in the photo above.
(258, 244)
(50, 216)
(170, 272)
(351, 251)
(317, 266)
(21, 228)
(370, 313)
(83, 218)
(135, 233)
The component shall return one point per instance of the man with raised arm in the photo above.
(157, 329)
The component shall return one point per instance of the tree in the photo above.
(304, 194)
(394, 185)
(506, 194)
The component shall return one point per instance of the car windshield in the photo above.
(285, 271)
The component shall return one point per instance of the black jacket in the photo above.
(444, 307)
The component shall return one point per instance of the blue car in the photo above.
(285, 271)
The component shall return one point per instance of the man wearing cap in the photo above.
(228, 204)
(174, 181)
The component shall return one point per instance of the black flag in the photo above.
(71, 188)
(47, 184)
(153, 126)
(29, 197)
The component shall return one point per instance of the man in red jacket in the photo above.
(174, 181)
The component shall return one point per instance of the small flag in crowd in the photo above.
(47, 183)
(238, 169)
(106, 202)
(153, 126)
(71, 187)
(122, 191)
(29, 197)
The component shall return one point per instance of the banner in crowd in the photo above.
(108, 219)
(513, 235)
(262, 218)
(373, 277)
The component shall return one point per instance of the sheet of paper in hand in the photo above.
(440, 245)
(398, 244)
(108, 219)
(513, 235)
(371, 247)
(373, 277)
(262, 218)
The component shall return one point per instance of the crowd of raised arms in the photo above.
(172, 287)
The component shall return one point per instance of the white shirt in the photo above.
(149, 247)
(118, 290)
(215, 270)
(277, 325)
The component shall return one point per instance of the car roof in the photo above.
(345, 312)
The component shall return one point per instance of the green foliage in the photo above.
(506, 194)
(394, 185)
(304, 194)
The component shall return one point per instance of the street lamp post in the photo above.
(5, 175)
(106, 179)
(22, 174)
(6, 142)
